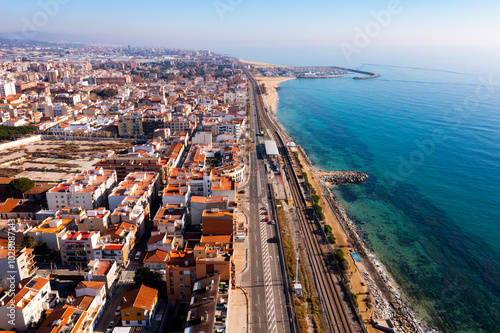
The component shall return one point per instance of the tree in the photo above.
(145, 276)
(21, 185)
(29, 241)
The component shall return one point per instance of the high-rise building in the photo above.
(7, 88)
(53, 76)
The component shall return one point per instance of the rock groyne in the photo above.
(344, 177)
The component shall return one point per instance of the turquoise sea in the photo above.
(430, 211)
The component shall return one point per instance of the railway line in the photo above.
(331, 299)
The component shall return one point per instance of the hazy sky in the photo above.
(337, 31)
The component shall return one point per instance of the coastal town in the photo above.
(153, 190)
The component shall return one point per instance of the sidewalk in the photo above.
(239, 303)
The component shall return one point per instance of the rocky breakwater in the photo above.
(343, 177)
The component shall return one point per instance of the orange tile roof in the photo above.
(143, 298)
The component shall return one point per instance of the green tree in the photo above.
(29, 242)
(21, 185)
(145, 276)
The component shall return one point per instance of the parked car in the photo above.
(272, 222)
(138, 255)
(117, 312)
(273, 240)
(266, 219)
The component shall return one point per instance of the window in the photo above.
(139, 322)
(126, 314)
(139, 314)
(127, 322)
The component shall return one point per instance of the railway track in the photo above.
(325, 281)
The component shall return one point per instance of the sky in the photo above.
(286, 32)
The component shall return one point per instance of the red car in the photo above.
(267, 219)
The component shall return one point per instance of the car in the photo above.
(266, 219)
(138, 255)
(117, 312)
(272, 222)
(265, 213)
(273, 240)
(110, 327)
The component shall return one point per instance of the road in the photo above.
(263, 279)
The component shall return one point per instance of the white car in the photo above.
(117, 312)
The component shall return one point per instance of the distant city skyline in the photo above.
(338, 32)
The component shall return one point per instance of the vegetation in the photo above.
(329, 234)
(29, 242)
(21, 185)
(11, 133)
(145, 276)
(355, 299)
(341, 259)
(105, 93)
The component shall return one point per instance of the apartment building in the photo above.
(51, 230)
(24, 265)
(119, 80)
(31, 297)
(217, 222)
(101, 270)
(97, 219)
(78, 247)
(202, 203)
(67, 319)
(88, 190)
(180, 275)
(130, 125)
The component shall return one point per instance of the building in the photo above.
(7, 88)
(24, 265)
(130, 125)
(53, 76)
(31, 297)
(97, 219)
(18, 208)
(139, 307)
(51, 230)
(140, 185)
(77, 248)
(201, 203)
(203, 305)
(119, 80)
(144, 161)
(88, 190)
(217, 222)
(180, 275)
(156, 260)
(118, 252)
(101, 270)
(67, 319)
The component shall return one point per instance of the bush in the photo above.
(328, 229)
(355, 299)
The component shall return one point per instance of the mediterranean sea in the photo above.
(430, 211)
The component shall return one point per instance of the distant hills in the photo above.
(41, 36)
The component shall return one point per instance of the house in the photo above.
(156, 260)
(139, 307)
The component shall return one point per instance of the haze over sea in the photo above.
(430, 141)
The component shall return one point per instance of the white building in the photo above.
(88, 190)
(26, 305)
(7, 88)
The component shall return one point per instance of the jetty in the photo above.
(343, 177)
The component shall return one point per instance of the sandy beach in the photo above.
(271, 95)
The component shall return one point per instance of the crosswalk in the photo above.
(270, 307)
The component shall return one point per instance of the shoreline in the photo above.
(271, 83)
(389, 303)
